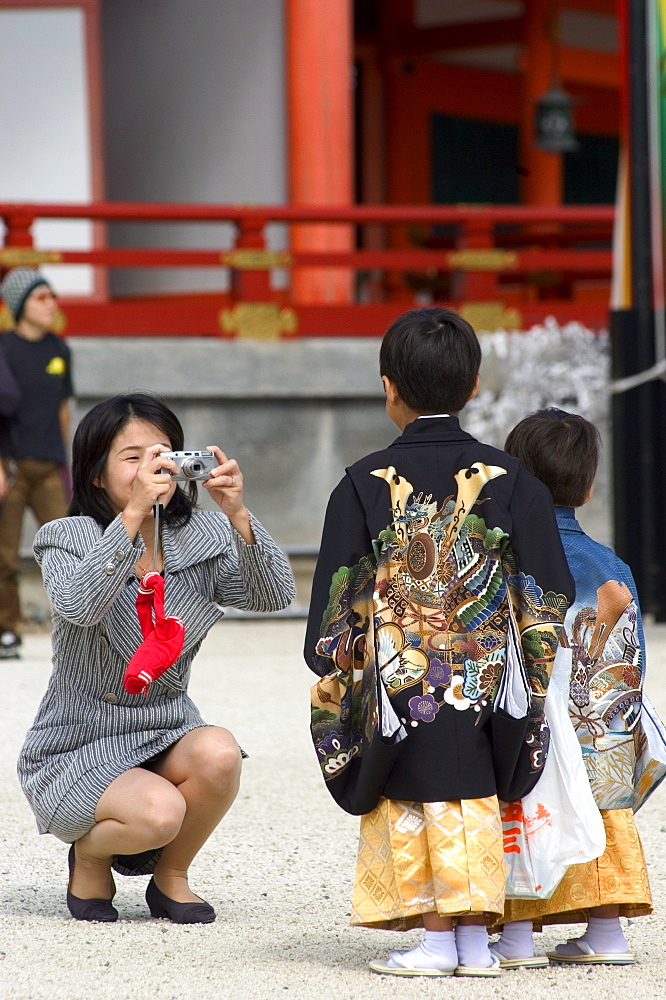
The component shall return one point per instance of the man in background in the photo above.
(33, 437)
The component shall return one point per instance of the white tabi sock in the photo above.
(436, 951)
(516, 940)
(472, 946)
(604, 936)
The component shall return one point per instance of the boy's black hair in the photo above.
(559, 448)
(432, 356)
(92, 443)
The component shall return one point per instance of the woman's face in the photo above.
(124, 459)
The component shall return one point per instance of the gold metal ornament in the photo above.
(6, 319)
(255, 260)
(258, 320)
(27, 257)
(482, 260)
(491, 316)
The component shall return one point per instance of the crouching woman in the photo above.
(138, 782)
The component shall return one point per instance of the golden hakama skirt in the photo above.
(416, 858)
(618, 877)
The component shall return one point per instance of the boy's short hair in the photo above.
(561, 449)
(432, 356)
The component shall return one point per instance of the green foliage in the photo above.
(557, 602)
(386, 538)
(347, 586)
(322, 715)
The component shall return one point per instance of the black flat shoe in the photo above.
(88, 909)
(178, 913)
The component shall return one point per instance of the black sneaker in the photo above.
(9, 646)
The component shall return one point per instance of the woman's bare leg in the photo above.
(204, 766)
(139, 811)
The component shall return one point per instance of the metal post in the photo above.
(636, 435)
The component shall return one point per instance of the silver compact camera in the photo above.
(193, 465)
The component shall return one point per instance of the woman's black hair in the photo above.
(92, 443)
(561, 449)
(432, 356)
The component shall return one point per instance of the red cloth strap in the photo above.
(163, 636)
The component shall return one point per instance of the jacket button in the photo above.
(172, 693)
(120, 555)
(111, 697)
(110, 568)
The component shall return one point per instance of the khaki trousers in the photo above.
(39, 486)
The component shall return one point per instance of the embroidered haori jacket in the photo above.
(605, 632)
(424, 545)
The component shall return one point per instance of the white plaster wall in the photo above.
(194, 112)
(45, 148)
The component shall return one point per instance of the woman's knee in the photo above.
(218, 759)
(162, 814)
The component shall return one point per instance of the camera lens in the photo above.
(192, 468)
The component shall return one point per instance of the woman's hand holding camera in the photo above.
(152, 484)
(226, 488)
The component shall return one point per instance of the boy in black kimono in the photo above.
(424, 545)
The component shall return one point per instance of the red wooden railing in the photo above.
(500, 265)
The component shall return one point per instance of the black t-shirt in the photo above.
(42, 369)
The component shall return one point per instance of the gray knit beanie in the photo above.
(16, 288)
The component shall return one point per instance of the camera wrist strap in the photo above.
(156, 537)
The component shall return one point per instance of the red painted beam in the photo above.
(169, 319)
(443, 38)
(418, 260)
(598, 69)
(389, 214)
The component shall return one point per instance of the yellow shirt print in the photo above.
(56, 366)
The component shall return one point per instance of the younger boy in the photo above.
(604, 630)
(424, 544)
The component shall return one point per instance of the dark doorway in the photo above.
(474, 161)
(590, 173)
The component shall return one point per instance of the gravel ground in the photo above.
(278, 870)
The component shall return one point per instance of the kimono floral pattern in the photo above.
(605, 692)
(344, 701)
(429, 610)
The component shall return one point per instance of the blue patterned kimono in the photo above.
(605, 631)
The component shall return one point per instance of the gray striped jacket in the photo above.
(88, 729)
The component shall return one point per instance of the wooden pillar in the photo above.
(542, 180)
(320, 115)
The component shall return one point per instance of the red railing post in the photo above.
(18, 236)
(476, 236)
(250, 282)
(18, 230)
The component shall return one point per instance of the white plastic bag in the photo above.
(650, 767)
(558, 823)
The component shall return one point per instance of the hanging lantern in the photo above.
(554, 121)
